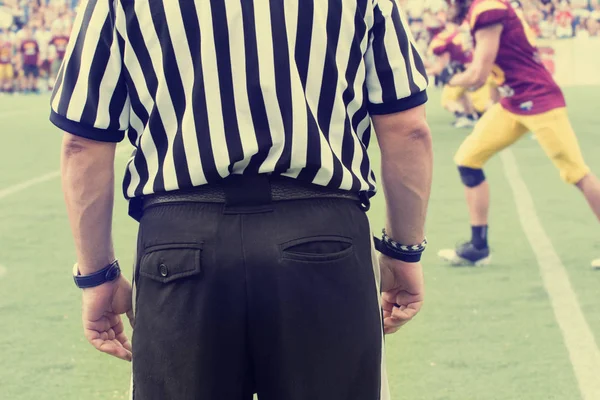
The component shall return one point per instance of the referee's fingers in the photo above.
(113, 348)
(397, 317)
(406, 313)
(392, 325)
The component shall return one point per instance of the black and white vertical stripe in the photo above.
(208, 88)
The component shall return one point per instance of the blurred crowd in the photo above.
(550, 19)
(565, 19)
(34, 33)
(33, 39)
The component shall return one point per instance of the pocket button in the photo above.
(164, 271)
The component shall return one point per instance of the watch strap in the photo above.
(106, 274)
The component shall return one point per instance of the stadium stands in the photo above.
(46, 20)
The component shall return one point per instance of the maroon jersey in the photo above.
(6, 52)
(60, 44)
(526, 85)
(453, 41)
(30, 51)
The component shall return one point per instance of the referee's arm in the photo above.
(90, 103)
(396, 83)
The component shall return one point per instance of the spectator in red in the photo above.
(59, 41)
(30, 55)
(564, 21)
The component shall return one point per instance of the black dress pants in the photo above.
(279, 300)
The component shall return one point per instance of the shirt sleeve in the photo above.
(90, 96)
(396, 77)
(487, 13)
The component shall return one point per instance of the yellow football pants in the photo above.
(499, 128)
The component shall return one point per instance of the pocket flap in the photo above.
(168, 262)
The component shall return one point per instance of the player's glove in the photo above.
(450, 70)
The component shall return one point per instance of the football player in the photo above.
(7, 51)
(531, 101)
(30, 56)
(59, 42)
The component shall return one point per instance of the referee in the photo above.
(250, 178)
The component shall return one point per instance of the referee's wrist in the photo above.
(411, 238)
(88, 267)
(407, 253)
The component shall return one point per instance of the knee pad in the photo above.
(471, 177)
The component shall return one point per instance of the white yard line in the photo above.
(2, 271)
(46, 177)
(577, 335)
(27, 184)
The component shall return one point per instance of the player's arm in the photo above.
(439, 64)
(488, 44)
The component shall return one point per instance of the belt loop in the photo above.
(136, 208)
(246, 193)
(365, 201)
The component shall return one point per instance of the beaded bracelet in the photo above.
(397, 251)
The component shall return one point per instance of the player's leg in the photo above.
(25, 79)
(3, 71)
(6, 73)
(496, 130)
(34, 79)
(471, 114)
(29, 79)
(555, 134)
(590, 187)
(18, 79)
(9, 82)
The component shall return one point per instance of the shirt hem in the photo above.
(86, 131)
(399, 105)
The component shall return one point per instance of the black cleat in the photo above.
(466, 254)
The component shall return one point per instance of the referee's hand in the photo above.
(403, 292)
(102, 324)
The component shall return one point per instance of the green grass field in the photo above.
(485, 333)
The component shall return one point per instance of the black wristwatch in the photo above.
(106, 274)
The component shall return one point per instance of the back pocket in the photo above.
(168, 262)
(317, 249)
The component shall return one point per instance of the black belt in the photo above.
(248, 191)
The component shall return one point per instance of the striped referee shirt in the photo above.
(208, 88)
